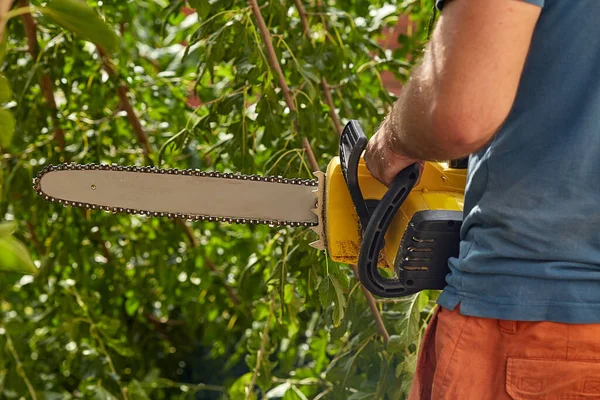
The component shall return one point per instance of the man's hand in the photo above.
(381, 160)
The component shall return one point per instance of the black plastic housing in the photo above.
(431, 238)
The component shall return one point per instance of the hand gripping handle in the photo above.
(373, 225)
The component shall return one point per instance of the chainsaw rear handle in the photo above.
(374, 224)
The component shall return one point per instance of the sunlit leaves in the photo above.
(201, 6)
(5, 91)
(77, 17)
(395, 344)
(331, 293)
(7, 228)
(410, 323)
(15, 257)
(3, 47)
(178, 320)
(7, 120)
(7, 127)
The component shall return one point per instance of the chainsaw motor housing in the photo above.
(410, 228)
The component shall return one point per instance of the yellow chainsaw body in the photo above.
(440, 188)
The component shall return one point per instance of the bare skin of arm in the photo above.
(462, 91)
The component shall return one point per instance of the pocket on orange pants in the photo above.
(552, 379)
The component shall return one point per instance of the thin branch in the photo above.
(272, 57)
(334, 118)
(232, 295)
(259, 355)
(34, 239)
(46, 83)
(274, 63)
(122, 91)
(329, 102)
(323, 393)
(312, 160)
(188, 232)
(20, 368)
(374, 310)
(324, 85)
(302, 13)
(4, 9)
(94, 333)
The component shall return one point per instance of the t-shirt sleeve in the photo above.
(439, 4)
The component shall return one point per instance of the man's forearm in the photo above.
(409, 124)
(418, 128)
(459, 96)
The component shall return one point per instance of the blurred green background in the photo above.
(103, 306)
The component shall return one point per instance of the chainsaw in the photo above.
(406, 231)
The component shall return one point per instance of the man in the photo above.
(515, 84)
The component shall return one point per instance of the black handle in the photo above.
(375, 225)
(352, 143)
(373, 236)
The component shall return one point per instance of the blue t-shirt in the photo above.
(530, 246)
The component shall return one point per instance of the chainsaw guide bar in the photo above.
(251, 199)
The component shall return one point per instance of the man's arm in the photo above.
(462, 91)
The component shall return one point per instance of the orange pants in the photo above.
(470, 358)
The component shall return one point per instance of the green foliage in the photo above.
(77, 17)
(7, 120)
(5, 92)
(7, 127)
(13, 254)
(129, 307)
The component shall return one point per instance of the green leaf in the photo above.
(293, 393)
(331, 291)
(361, 396)
(3, 46)
(5, 92)
(340, 302)
(77, 17)
(395, 344)
(101, 393)
(202, 7)
(326, 292)
(409, 325)
(136, 390)
(15, 257)
(7, 127)
(7, 228)
(238, 389)
(120, 347)
(132, 305)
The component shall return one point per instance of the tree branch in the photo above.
(232, 295)
(34, 239)
(20, 368)
(122, 92)
(302, 13)
(4, 9)
(259, 355)
(188, 231)
(287, 93)
(373, 306)
(329, 102)
(324, 85)
(46, 84)
(334, 118)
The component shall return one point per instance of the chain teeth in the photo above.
(173, 171)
